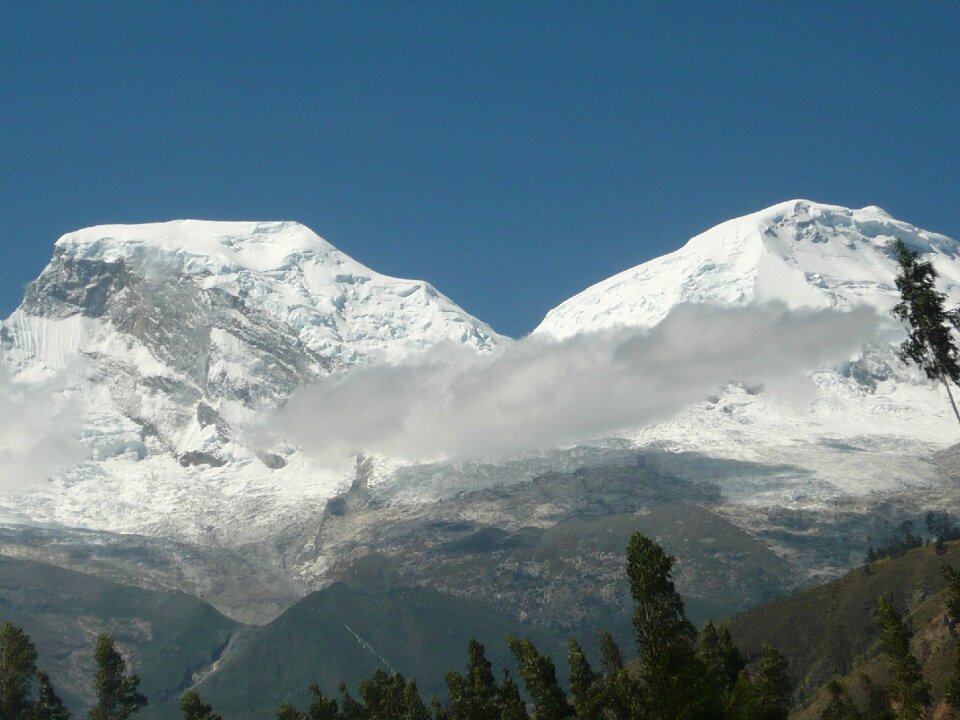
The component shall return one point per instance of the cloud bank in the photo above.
(539, 393)
(39, 428)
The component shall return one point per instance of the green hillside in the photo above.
(345, 633)
(166, 636)
(830, 630)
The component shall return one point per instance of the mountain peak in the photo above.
(800, 253)
(224, 245)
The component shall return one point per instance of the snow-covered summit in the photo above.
(257, 246)
(167, 341)
(800, 253)
(337, 306)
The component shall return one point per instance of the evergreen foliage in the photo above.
(286, 711)
(474, 696)
(540, 678)
(941, 527)
(669, 669)
(46, 704)
(620, 691)
(952, 693)
(910, 691)
(584, 685)
(322, 707)
(706, 678)
(382, 696)
(512, 706)
(902, 541)
(930, 326)
(117, 693)
(413, 706)
(193, 708)
(440, 711)
(18, 667)
(723, 662)
(772, 687)
(763, 694)
(840, 707)
(350, 708)
(878, 701)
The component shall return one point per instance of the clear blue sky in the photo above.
(512, 153)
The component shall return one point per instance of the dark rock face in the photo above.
(200, 458)
(72, 285)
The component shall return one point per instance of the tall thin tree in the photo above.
(929, 343)
(952, 691)
(670, 671)
(910, 691)
(18, 660)
(118, 694)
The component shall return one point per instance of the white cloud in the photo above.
(39, 427)
(538, 393)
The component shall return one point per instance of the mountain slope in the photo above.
(167, 637)
(164, 341)
(867, 425)
(344, 634)
(831, 630)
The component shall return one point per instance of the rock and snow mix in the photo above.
(162, 342)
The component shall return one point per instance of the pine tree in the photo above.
(413, 706)
(670, 672)
(458, 690)
(910, 691)
(840, 707)
(619, 691)
(439, 710)
(952, 692)
(322, 707)
(512, 706)
(117, 693)
(46, 704)
(540, 677)
(584, 686)
(382, 696)
(611, 658)
(953, 592)
(193, 708)
(349, 707)
(18, 667)
(929, 342)
(286, 711)
(742, 704)
(473, 697)
(722, 662)
(772, 684)
(878, 700)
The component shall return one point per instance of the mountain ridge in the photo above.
(159, 352)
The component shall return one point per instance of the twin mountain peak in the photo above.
(170, 336)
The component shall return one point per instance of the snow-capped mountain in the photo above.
(157, 345)
(168, 337)
(800, 253)
(872, 420)
(160, 343)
